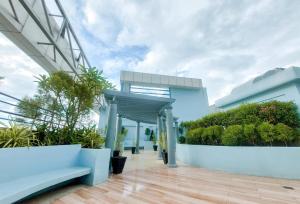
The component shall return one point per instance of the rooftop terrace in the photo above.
(147, 180)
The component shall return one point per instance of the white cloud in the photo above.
(222, 42)
(18, 70)
(19, 73)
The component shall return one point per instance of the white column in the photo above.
(137, 147)
(170, 138)
(119, 129)
(176, 130)
(119, 125)
(111, 126)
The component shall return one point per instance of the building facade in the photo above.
(190, 96)
(278, 84)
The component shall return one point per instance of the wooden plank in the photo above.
(155, 183)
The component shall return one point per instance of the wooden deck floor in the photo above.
(158, 184)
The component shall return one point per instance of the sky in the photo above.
(223, 42)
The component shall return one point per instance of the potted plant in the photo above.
(133, 147)
(119, 142)
(148, 132)
(154, 141)
(163, 147)
(118, 161)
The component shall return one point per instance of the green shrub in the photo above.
(147, 131)
(181, 140)
(267, 132)
(272, 123)
(232, 135)
(212, 135)
(163, 141)
(88, 137)
(284, 133)
(194, 136)
(280, 112)
(119, 144)
(245, 114)
(273, 112)
(250, 134)
(92, 140)
(60, 136)
(180, 130)
(16, 135)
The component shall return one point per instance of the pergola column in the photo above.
(111, 126)
(119, 124)
(137, 147)
(159, 130)
(176, 129)
(170, 138)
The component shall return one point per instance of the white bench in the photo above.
(25, 171)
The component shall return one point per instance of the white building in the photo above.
(190, 96)
(277, 84)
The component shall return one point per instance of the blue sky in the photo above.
(225, 43)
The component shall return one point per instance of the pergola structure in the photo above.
(142, 109)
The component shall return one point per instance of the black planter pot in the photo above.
(133, 150)
(155, 147)
(118, 164)
(116, 153)
(164, 155)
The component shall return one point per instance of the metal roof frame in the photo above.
(137, 107)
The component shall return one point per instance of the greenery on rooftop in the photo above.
(60, 111)
(119, 145)
(258, 124)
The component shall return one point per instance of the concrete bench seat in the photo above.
(20, 188)
(27, 171)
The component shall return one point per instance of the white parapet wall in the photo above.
(279, 162)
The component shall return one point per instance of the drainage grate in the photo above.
(288, 187)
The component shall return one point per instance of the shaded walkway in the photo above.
(155, 183)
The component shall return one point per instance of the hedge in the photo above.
(270, 123)
(273, 112)
(244, 135)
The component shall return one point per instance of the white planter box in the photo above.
(98, 160)
(280, 162)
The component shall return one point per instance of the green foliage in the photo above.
(212, 135)
(69, 101)
(276, 112)
(30, 107)
(16, 135)
(147, 131)
(250, 134)
(66, 97)
(232, 135)
(180, 130)
(154, 139)
(120, 139)
(284, 133)
(244, 135)
(273, 112)
(163, 141)
(273, 123)
(181, 140)
(88, 137)
(92, 140)
(195, 136)
(266, 132)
